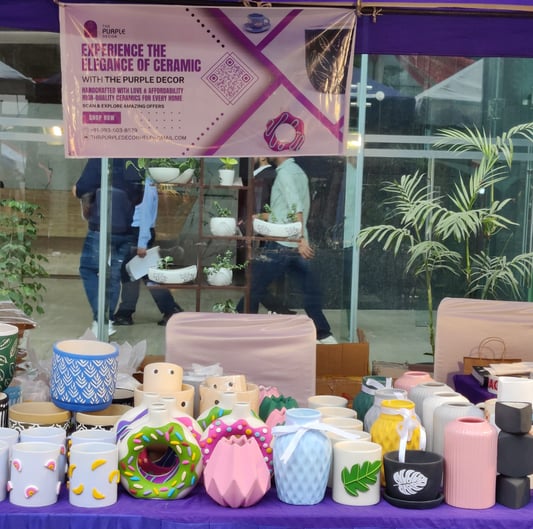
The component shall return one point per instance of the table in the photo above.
(198, 511)
(468, 386)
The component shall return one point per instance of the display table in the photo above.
(198, 511)
(468, 386)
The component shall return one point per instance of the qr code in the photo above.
(229, 78)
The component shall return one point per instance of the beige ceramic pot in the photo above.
(101, 420)
(184, 397)
(30, 414)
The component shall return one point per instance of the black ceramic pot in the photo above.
(418, 479)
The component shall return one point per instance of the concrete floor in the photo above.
(394, 336)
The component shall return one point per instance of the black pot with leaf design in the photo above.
(416, 479)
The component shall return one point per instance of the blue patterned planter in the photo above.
(84, 374)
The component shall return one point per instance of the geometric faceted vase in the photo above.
(237, 475)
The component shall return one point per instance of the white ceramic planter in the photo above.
(222, 226)
(164, 175)
(172, 275)
(272, 229)
(226, 176)
(219, 278)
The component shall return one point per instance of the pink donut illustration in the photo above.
(285, 118)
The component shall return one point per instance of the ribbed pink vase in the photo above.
(237, 475)
(470, 462)
(410, 379)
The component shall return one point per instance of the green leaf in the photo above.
(360, 477)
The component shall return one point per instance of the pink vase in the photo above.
(410, 379)
(470, 462)
(237, 475)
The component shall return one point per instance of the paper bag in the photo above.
(491, 350)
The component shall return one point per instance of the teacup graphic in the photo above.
(257, 22)
(327, 54)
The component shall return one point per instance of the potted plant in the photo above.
(21, 270)
(222, 223)
(268, 225)
(227, 306)
(452, 234)
(168, 273)
(220, 272)
(166, 170)
(227, 173)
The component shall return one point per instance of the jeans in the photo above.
(276, 260)
(120, 245)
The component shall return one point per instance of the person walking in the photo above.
(290, 192)
(126, 193)
(144, 221)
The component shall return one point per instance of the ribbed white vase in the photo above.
(422, 391)
(428, 409)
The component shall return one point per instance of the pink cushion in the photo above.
(272, 350)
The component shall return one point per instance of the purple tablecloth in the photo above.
(468, 386)
(198, 511)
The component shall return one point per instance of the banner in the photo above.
(176, 81)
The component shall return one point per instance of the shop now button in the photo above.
(101, 117)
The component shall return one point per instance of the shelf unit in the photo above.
(208, 192)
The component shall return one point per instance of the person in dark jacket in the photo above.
(126, 192)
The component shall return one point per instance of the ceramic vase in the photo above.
(159, 458)
(93, 475)
(356, 472)
(83, 375)
(34, 479)
(398, 427)
(515, 389)
(431, 404)
(422, 391)
(409, 379)
(9, 339)
(446, 413)
(241, 421)
(363, 401)
(381, 394)
(176, 413)
(302, 458)
(124, 424)
(470, 463)
(222, 407)
(237, 475)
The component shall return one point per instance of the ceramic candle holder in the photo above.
(34, 479)
(321, 401)
(210, 397)
(93, 474)
(101, 420)
(337, 411)
(91, 436)
(234, 383)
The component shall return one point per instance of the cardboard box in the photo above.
(340, 367)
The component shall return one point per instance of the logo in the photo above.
(90, 29)
(110, 32)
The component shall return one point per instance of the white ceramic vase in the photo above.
(381, 394)
(422, 391)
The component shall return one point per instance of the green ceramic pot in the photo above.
(9, 337)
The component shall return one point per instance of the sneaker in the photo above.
(328, 340)
(123, 319)
(110, 330)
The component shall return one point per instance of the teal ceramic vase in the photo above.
(302, 458)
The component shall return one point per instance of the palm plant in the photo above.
(439, 237)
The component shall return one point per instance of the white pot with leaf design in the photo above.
(220, 272)
(356, 473)
(222, 224)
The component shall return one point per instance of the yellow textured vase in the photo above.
(397, 427)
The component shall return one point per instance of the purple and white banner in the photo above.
(175, 81)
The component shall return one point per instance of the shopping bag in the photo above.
(491, 350)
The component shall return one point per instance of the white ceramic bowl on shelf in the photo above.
(271, 229)
(174, 276)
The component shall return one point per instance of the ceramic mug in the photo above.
(34, 478)
(93, 474)
(49, 434)
(10, 436)
(91, 436)
(258, 21)
(4, 468)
